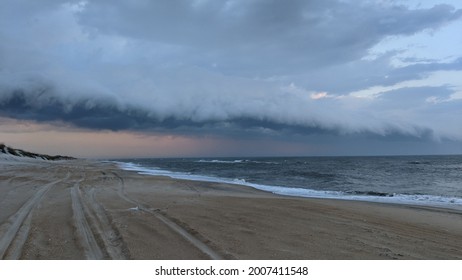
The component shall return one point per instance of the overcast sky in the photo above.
(113, 78)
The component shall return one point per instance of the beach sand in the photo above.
(91, 210)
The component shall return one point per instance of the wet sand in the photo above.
(90, 210)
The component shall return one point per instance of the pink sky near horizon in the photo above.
(62, 139)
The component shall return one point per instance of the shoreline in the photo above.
(94, 210)
(425, 200)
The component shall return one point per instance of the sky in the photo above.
(202, 78)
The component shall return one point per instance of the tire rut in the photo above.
(87, 239)
(111, 237)
(15, 230)
(14, 251)
(98, 236)
(196, 242)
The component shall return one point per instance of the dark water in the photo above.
(435, 180)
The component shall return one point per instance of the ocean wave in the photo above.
(370, 193)
(221, 161)
(371, 196)
(234, 161)
(419, 162)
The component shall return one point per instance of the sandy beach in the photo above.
(81, 209)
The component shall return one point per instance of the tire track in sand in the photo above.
(98, 236)
(15, 230)
(204, 248)
(87, 239)
(113, 242)
(15, 248)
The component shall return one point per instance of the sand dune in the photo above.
(90, 210)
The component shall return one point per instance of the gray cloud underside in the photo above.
(44, 105)
(220, 67)
(109, 114)
(253, 38)
(264, 37)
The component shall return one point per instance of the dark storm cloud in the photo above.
(264, 37)
(278, 68)
(44, 105)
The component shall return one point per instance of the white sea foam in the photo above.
(425, 200)
(233, 161)
(220, 161)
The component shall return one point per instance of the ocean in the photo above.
(416, 180)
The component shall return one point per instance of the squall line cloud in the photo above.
(243, 67)
(43, 105)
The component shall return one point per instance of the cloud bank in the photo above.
(269, 68)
